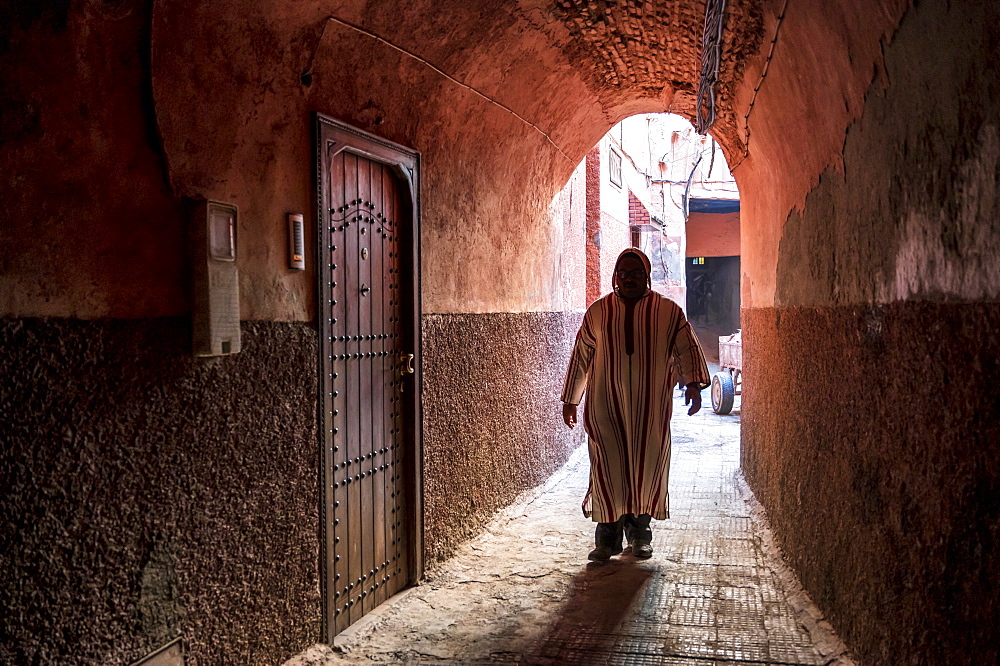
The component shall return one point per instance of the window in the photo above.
(615, 168)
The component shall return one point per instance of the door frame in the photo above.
(405, 163)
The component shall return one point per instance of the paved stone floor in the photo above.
(714, 592)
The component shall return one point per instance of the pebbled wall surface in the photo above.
(492, 416)
(149, 495)
(877, 455)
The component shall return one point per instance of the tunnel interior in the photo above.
(153, 495)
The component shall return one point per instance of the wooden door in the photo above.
(369, 361)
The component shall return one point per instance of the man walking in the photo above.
(631, 348)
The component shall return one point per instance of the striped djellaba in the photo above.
(629, 400)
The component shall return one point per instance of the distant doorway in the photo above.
(713, 298)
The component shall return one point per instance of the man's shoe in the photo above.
(608, 539)
(638, 535)
(603, 553)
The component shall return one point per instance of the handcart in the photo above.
(728, 382)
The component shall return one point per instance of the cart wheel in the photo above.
(723, 393)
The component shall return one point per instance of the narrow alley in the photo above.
(289, 292)
(523, 591)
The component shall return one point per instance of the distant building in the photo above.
(652, 182)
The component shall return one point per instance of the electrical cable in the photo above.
(687, 189)
(439, 71)
(711, 57)
(711, 164)
(760, 82)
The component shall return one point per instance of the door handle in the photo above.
(407, 360)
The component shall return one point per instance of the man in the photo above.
(631, 346)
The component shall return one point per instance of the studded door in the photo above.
(369, 356)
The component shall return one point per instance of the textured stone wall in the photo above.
(149, 495)
(646, 46)
(593, 194)
(870, 408)
(872, 436)
(492, 416)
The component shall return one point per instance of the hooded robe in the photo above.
(630, 398)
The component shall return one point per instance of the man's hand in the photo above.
(693, 393)
(569, 414)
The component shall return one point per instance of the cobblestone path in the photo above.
(714, 591)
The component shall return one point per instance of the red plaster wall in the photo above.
(195, 99)
(88, 225)
(713, 235)
(828, 58)
(262, 132)
(575, 239)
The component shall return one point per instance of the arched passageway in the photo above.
(866, 160)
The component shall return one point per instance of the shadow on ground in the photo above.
(602, 597)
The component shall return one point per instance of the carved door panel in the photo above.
(368, 306)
